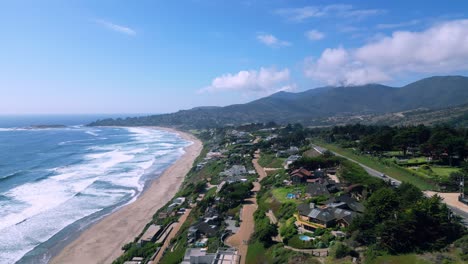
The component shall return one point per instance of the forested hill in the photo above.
(309, 106)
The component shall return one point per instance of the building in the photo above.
(200, 256)
(310, 217)
(202, 229)
(235, 170)
(135, 260)
(346, 202)
(317, 189)
(197, 256)
(150, 234)
(290, 160)
(300, 176)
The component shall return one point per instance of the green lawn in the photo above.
(256, 253)
(401, 259)
(389, 169)
(444, 171)
(177, 255)
(280, 194)
(417, 160)
(392, 153)
(434, 172)
(270, 161)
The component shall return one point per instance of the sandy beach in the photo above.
(102, 242)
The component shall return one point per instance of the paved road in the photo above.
(378, 174)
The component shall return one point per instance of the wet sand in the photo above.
(102, 242)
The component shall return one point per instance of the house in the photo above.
(202, 229)
(289, 152)
(200, 256)
(214, 155)
(346, 202)
(235, 170)
(343, 217)
(135, 260)
(226, 256)
(176, 202)
(319, 173)
(322, 187)
(150, 234)
(290, 160)
(232, 179)
(311, 217)
(300, 175)
(317, 189)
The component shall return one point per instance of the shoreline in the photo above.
(102, 241)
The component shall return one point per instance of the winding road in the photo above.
(457, 208)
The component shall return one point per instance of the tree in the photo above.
(382, 204)
(408, 194)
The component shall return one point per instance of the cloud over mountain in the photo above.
(442, 48)
(263, 81)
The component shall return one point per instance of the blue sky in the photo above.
(162, 56)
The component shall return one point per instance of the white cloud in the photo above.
(271, 40)
(265, 81)
(399, 25)
(314, 35)
(300, 14)
(337, 10)
(442, 48)
(116, 28)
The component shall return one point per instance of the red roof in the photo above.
(301, 173)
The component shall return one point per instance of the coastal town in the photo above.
(262, 193)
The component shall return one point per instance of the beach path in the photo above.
(240, 240)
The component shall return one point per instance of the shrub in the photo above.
(340, 250)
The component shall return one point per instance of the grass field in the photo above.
(444, 171)
(417, 160)
(256, 253)
(280, 194)
(389, 169)
(401, 259)
(270, 161)
(434, 172)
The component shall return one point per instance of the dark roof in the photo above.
(317, 189)
(206, 229)
(304, 209)
(350, 202)
(344, 215)
(319, 173)
(324, 215)
(329, 214)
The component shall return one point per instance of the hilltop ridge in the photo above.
(312, 106)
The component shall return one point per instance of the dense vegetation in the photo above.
(402, 220)
(444, 143)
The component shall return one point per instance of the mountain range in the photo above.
(315, 106)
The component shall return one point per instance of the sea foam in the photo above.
(108, 174)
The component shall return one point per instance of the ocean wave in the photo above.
(11, 175)
(92, 133)
(12, 129)
(103, 176)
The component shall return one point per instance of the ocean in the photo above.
(55, 182)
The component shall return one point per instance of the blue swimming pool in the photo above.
(305, 238)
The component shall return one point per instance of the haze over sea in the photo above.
(54, 182)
